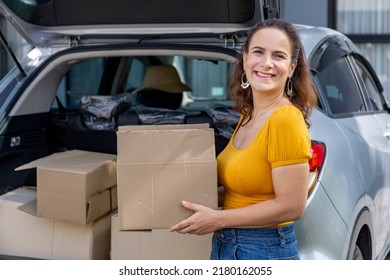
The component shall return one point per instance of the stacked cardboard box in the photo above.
(23, 234)
(157, 244)
(75, 186)
(157, 168)
(68, 215)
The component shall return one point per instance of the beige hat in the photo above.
(163, 77)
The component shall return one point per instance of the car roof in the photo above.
(311, 36)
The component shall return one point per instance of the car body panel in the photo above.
(320, 238)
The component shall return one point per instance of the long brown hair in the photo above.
(304, 98)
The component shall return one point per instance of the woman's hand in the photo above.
(203, 221)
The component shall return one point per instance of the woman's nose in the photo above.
(266, 61)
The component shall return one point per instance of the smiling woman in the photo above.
(264, 168)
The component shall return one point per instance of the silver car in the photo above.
(84, 58)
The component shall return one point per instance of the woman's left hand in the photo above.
(203, 221)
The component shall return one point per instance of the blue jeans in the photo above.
(255, 244)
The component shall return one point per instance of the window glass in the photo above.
(339, 86)
(209, 80)
(373, 92)
(81, 80)
(379, 57)
(136, 73)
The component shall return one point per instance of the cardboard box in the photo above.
(158, 167)
(157, 244)
(74, 186)
(22, 234)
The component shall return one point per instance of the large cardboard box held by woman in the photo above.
(158, 167)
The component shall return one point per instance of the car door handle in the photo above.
(387, 135)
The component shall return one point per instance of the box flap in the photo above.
(75, 161)
(162, 127)
(98, 205)
(74, 209)
(29, 207)
(159, 146)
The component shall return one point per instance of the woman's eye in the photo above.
(280, 56)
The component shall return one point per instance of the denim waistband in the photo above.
(234, 234)
(255, 244)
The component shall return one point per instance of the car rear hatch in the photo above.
(54, 22)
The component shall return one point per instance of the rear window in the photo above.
(209, 80)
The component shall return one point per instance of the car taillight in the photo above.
(316, 161)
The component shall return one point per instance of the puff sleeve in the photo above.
(288, 138)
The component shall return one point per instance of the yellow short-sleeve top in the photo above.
(246, 173)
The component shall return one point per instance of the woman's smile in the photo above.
(264, 75)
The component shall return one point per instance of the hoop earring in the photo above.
(289, 88)
(245, 84)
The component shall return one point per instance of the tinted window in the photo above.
(209, 80)
(82, 79)
(337, 82)
(374, 95)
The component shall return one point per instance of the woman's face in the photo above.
(268, 62)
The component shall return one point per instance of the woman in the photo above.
(264, 169)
